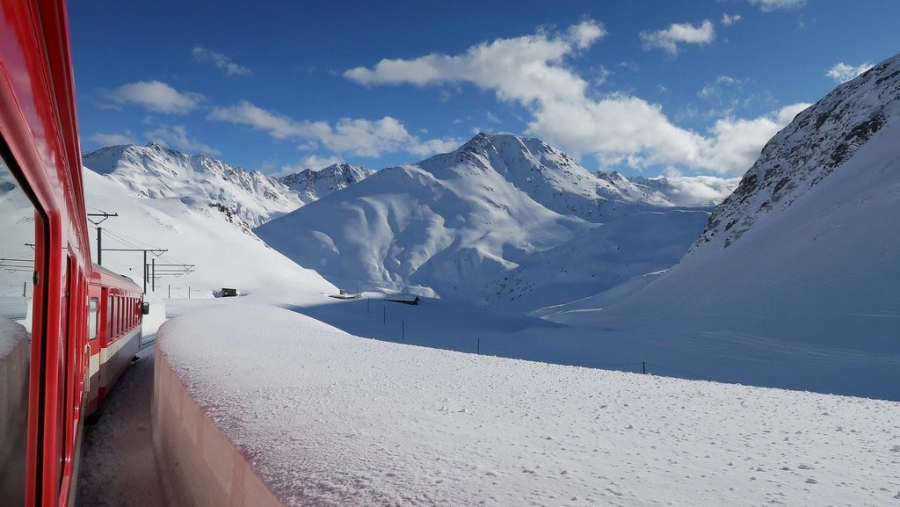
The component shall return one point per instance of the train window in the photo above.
(109, 318)
(18, 226)
(92, 319)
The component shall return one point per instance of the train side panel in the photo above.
(41, 165)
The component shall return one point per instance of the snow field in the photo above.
(331, 419)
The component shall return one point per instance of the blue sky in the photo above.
(644, 87)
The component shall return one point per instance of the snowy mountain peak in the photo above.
(545, 174)
(818, 142)
(313, 185)
(248, 198)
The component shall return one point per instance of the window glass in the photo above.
(17, 223)
(109, 319)
(92, 319)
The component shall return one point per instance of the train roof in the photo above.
(108, 277)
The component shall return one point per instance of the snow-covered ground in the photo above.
(333, 419)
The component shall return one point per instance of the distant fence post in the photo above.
(478, 347)
(644, 367)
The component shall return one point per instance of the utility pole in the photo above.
(153, 274)
(103, 216)
(155, 251)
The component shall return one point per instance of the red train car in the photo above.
(51, 299)
(115, 311)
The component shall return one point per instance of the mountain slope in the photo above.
(248, 198)
(312, 185)
(600, 258)
(819, 141)
(802, 263)
(221, 254)
(452, 224)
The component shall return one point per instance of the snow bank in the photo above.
(327, 418)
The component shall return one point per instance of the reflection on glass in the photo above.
(16, 270)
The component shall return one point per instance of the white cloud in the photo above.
(842, 72)
(774, 5)
(175, 136)
(586, 33)
(114, 139)
(679, 33)
(156, 96)
(699, 190)
(361, 137)
(221, 61)
(434, 146)
(616, 128)
(315, 162)
(245, 113)
(714, 89)
(603, 75)
(730, 20)
(516, 69)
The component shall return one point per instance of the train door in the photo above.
(97, 314)
(57, 411)
(74, 348)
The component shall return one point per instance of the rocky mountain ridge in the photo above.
(249, 198)
(813, 146)
(311, 185)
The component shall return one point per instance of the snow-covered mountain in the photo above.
(819, 141)
(802, 263)
(546, 175)
(220, 254)
(456, 224)
(311, 185)
(246, 198)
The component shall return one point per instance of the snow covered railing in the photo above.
(255, 405)
(198, 464)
